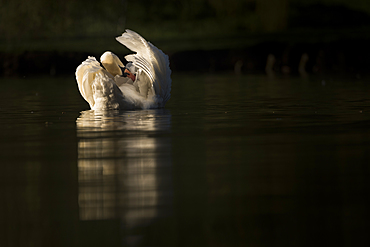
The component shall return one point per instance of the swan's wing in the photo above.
(151, 60)
(95, 83)
(85, 75)
(106, 93)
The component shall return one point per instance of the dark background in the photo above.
(255, 162)
(53, 37)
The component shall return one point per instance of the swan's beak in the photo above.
(127, 73)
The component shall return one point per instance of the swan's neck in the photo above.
(112, 68)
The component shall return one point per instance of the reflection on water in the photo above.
(124, 166)
(237, 161)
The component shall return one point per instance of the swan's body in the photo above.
(144, 83)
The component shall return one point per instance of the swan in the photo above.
(143, 83)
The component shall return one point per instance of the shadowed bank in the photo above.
(208, 36)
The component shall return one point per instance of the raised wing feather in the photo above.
(151, 60)
(88, 75)
(85, 75)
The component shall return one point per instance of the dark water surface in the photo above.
(231, 161)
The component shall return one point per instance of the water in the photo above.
(230, 161)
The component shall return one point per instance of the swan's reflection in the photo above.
(124, 165)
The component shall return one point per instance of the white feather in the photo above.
(105, 89)
(151, 60)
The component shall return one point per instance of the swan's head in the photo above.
(127, 73)
(113, 65)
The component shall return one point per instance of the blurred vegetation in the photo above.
(43, 36)
(68, 24)
(58, 18)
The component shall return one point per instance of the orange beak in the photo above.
(130, 75)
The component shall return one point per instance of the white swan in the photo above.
(145, 81)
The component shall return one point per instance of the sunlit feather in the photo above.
(105, 88)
